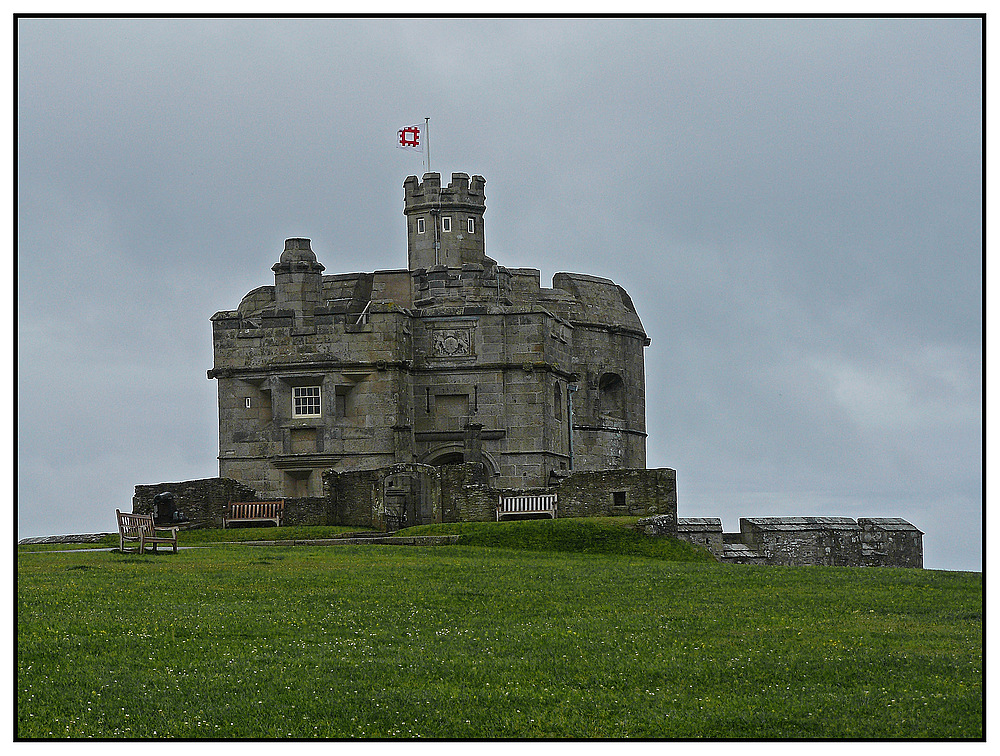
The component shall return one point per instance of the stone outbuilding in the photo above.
(833, 541)
(890, 542)
(702, 531)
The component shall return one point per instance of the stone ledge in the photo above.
(388, 540)
(79, 538)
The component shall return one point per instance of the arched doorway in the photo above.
(454, 454)
(449, 454)
(451, 458)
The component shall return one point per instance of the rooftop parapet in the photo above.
(461, 192)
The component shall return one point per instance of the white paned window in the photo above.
(306, 401)
(420, 225)
(446, 224)
(472, 225)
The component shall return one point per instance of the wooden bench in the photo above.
(141, 529)
(255, 511)
(527, 505)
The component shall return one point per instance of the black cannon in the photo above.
(165, 511)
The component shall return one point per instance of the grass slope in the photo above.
(465, 642)
(586, 535)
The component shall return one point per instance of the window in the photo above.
(248, 402)
(472, 225)
(446, 224)
(619, 498)
(420, 225)
(611, 396)
(305, 401)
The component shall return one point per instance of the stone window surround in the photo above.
(304, 399)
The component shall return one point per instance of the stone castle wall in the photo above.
(203, 502)
(463, 493)
(413, 494)
(797, 541)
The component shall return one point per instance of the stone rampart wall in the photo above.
(611, 493)
(203, 502)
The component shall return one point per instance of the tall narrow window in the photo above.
(611, 396)
(472, 225)
(306, 401)
(446, 224)
(420, 225)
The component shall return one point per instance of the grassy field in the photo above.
(471, 642)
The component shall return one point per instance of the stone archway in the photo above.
(454, 454)
(448, 454)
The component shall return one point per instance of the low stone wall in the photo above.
(891, 542)
(313, 510)
(828, 541)
(73, 538)
(466, 496)
(610, 493)
(701, 531)
(451, 493)
(445, 540)
(203, 502)
(834, 541)
(352, 497)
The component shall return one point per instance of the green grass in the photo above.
(469, 642)
(607, 535)
(211, 536)
(585, 535)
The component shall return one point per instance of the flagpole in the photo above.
(427, 141)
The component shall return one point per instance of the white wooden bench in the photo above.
(141, 529)
(255, 511)
(521, 505)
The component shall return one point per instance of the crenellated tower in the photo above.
(444, 225)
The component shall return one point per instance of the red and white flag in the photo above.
(410, 138)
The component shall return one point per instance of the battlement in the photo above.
(461, 193)
(444, 225)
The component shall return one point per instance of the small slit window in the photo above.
(446, 224)
(420, 225)
(472, 225)
(305, 401)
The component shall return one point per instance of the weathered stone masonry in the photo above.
(404, 494)
(455, 359)
(830, 541)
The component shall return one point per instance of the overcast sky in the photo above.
(794, 206)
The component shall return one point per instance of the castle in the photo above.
(455, 359)
(456, 389)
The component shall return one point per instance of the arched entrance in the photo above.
(454, 454)
(451, 458)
